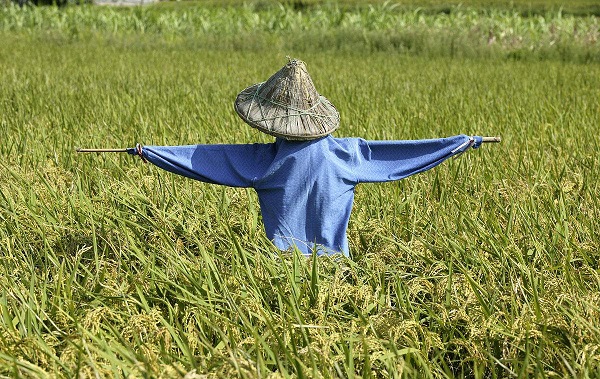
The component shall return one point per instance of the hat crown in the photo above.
(287, 105)
(291, 86)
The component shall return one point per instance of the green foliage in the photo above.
(526, 7)
(461, 33)
(486, 266)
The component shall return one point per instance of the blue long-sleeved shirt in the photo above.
(306, 188)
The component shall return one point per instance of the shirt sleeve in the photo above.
(382, 161)
(230, 165)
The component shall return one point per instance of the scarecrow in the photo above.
(305, 180)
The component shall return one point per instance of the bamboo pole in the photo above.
(80, 150)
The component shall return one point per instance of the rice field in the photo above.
(463, 32)
(484, 267)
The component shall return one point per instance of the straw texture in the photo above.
(287, 105)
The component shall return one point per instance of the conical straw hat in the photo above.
(287, 105)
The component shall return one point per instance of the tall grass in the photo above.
(486, 266)
(462, 32)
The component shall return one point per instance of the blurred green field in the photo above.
(528, 7)
(463, 33)
(485, 267)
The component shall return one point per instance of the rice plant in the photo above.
(462, 32)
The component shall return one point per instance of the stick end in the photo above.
(496, 139)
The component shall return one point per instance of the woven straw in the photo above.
(287, 105)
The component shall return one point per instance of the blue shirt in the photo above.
(306, 188)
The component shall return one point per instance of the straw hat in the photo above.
(287, 105)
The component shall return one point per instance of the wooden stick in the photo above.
(491, 139)
(80, 150)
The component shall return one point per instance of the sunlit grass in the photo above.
(464, 32)
(526, 7)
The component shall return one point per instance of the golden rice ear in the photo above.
(288, 105)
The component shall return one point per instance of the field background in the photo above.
(486, 266)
